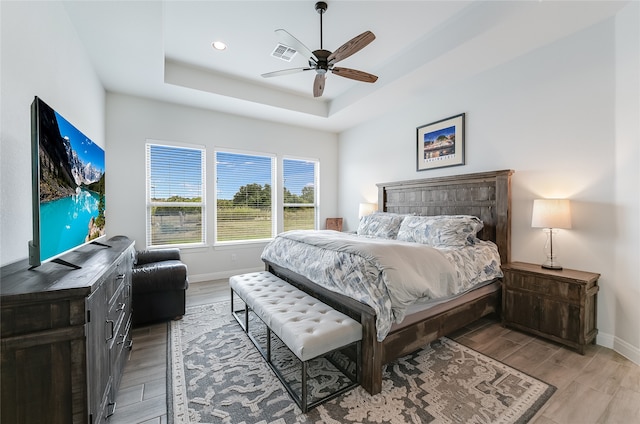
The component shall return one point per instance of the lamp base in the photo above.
(551, 262)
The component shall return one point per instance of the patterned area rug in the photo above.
(216, 375)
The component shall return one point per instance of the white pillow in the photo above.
(380, 225)
(440, 230)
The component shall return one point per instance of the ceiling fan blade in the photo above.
(292, 41)
(285, 72)
(318, 85)
(352, 46)
(354, 74)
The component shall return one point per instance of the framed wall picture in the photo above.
(441, 143)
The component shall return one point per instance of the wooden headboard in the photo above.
(486, 195)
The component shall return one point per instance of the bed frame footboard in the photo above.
(400, 342)
(486, 195)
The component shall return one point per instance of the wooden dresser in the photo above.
(65, 335)
(558, 305)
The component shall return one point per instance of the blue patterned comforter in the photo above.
(388, 275)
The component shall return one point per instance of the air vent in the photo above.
(283, 52)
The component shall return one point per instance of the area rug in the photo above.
(216, 375)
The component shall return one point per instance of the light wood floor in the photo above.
(599, 387)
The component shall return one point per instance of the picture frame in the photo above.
(440, 144)
(334, 224)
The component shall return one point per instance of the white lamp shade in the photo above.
(366, 209)
(551, 213)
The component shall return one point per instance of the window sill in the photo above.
(179, 246)
(240, 244)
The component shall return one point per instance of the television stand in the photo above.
(61, 261)
(66, 263)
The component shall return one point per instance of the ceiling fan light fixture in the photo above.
(219, 45)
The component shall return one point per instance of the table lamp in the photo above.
(551, 214)
(366, 209)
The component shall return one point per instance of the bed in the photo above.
(484, 195)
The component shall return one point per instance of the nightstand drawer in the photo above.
(544, 286)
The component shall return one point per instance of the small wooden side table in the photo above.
(558, 305)
(334, 224)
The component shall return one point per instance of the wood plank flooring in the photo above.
(601, 387)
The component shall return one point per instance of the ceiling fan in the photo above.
(323, 61)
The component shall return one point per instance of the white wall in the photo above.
(131, 121)
(41, 56)
(565, 118)
(624, 298)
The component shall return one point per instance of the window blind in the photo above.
(244, 195)
(299, 194)
(175, 195)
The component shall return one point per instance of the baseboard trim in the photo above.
(197, 278)
(625, 349)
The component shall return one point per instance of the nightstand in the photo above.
(558, 305)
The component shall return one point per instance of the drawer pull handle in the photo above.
(112, 325)
(121, 336)
(111, 409)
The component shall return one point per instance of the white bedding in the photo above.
(388, 275)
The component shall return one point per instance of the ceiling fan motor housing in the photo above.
(322, 66)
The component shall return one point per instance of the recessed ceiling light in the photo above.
(219, 45)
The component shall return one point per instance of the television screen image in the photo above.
(70, 207)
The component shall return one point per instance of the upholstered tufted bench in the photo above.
(308, 327)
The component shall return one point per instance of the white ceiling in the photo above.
(162, 50)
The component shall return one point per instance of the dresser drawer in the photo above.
(26, 318)
(114, 283)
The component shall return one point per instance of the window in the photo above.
(299, 194)
(175, 195)
(244, 194)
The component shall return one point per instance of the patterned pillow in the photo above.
(440, 230)
(380, 225)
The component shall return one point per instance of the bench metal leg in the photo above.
(244, 325)
(268, 345)
(246, 317)
(304, 387)
(359, 362)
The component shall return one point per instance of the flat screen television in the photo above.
(68, 187)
